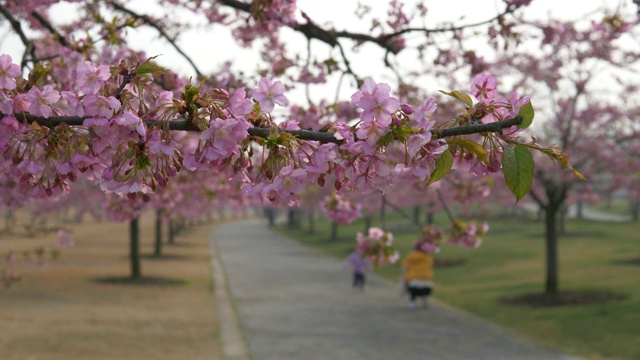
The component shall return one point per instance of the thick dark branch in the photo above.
(178, 124)
(347, 63)
(399, 210)
(17, 27)
(313, 31)
(51, 122)
(44, 22)
(238, 5)
(147, 20)
(443, 202)
(477, 128)
(325, 137)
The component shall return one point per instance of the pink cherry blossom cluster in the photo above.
(491, 108)
(65, 239)
(38, 257)
(340, 210)
(377, 246)
(278, 12)
(467, 234)
(10, 276)
(122, 141)
(430, 239)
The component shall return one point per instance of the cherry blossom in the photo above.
(483, 87)
(376, 103)
(41, 102)
(377, 246)
(340, 210)
(8, 72)
(91, 78)
(268, 94)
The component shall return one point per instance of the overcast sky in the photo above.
(209, 47)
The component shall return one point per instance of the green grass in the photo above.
(511, 262)
(617, 207)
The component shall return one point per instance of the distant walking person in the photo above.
(417, 266)
(360, 265)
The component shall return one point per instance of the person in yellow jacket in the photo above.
(417, 266)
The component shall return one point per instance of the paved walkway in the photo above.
(294, 303)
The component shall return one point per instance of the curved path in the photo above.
(293, 302)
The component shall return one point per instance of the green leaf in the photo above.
(189, 93)
(471, 146)
(443, 166)
(527, 114)
(518, 166)
(460, 96)
(148, 67)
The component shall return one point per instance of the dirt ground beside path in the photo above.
(62, 312)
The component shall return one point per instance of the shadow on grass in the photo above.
(440, 263)
(184, 244)
(571, 234)
(562, 298)
(143, 281)
(632, 261)
(167, 257)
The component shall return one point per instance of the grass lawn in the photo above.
(617, 207)
(593, 256)
(62, 312)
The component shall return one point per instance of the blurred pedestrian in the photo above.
(418, 265)
(360, 266)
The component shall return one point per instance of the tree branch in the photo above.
(426, 31)
(477, 128)
(147, 20)
(44, 22)
(30, 48)
(443, 202)
(313, 31)
(325, 137)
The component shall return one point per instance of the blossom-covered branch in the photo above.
(323, 137)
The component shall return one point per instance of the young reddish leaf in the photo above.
(527, 113)
(556, 154)
(460, 96)
(443, 166)
(518, 167)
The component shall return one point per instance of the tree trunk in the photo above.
(383, 220)
(172, 232)
(134, 242)
(579, 207)
(9, 218)
(312, 222)
(551, 235)
(367, 224)
(416, 214)
(334, 231)
(291, 218)
(271, 216)
(430, 217)
(158, 244)
(540, 214)
(635, 210)
(564, 212)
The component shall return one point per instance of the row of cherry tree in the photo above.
(82, 106)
